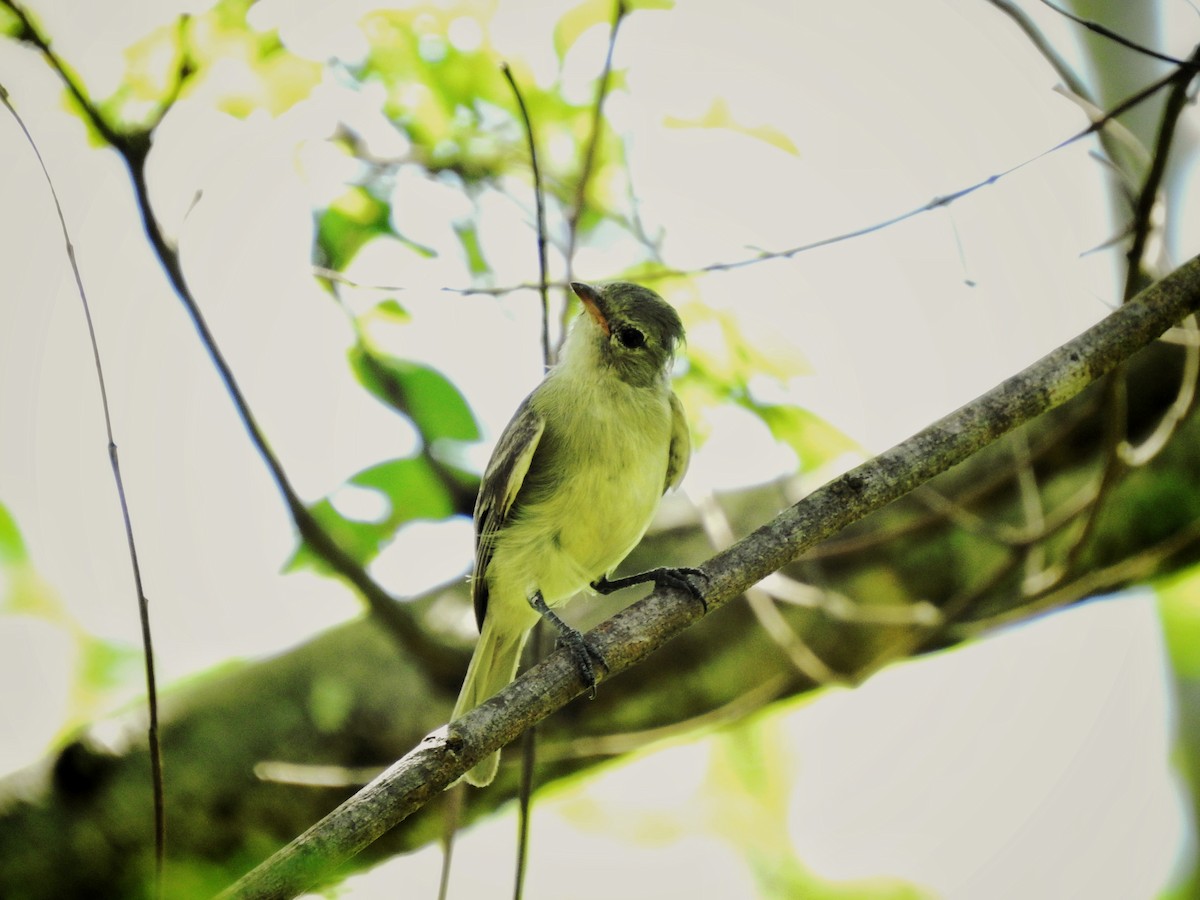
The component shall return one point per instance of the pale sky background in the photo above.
(1032, 764)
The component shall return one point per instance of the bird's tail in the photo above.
(492, 667)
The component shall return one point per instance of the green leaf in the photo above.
(751, 782)
(425, 395)
(468, 236)
(412, 487)
(578, 20)
(361, 541)
(1179, 608)
(104, 665)
(814, 440)
(719, 115)
(12, 547)
(10, 25)
(413, 491)
(270, 77)
(390, 310)
(350, 221)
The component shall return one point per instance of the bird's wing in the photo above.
(502, 482)
(680, 451)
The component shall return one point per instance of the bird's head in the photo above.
(631, 329)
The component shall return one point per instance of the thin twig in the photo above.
(1032, 509)
(908, 643)
(529, 744)
(333, 276)
(589, 154)
(982, 486)
(802, 657)
(452, 816)
(1097, 125)
(1147, 199)
(1141, 454)
(540, 202)
(1115, 390)
(627, 742)
(1043, 46)
(1104, 31)
(1116, 403)
(1089, 583)
(156, 766)
(945, 199)
(502, 291)
(529, 755)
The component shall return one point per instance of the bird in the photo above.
(573, 483)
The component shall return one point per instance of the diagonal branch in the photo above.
(632, 635)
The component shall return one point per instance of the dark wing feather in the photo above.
(502, 480)
(680, 451)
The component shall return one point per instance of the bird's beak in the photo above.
(593, 303)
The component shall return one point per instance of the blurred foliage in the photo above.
(728, 367)
(1179, 606)
(751, 783)
(9, 23)
(720, 116)
(349, 222)
(103, 669)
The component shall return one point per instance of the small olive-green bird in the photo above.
(574, 482)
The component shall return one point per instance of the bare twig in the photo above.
(1043, 46)
(1104, 31)
(156, 765)
(1097, 125)
(1116, 405)
(945, 199)
(762, 604)
(507, 289)
(540, 201)
(1141, 454)
(529, 746)
(1031, 504)
(1148, 197)
(1115, 393)
(589, 154)
(333, 276)
(635, 633)
(627, 742)
(1089, 583)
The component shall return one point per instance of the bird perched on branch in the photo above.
(573, 484)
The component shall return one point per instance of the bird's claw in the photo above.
(585, 657)
(681, 579)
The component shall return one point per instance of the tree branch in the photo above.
(638, 631)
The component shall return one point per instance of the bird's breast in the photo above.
(592, 488)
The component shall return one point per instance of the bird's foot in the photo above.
(664, 577)
(583, 653)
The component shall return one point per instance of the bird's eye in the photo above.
(631, 338)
